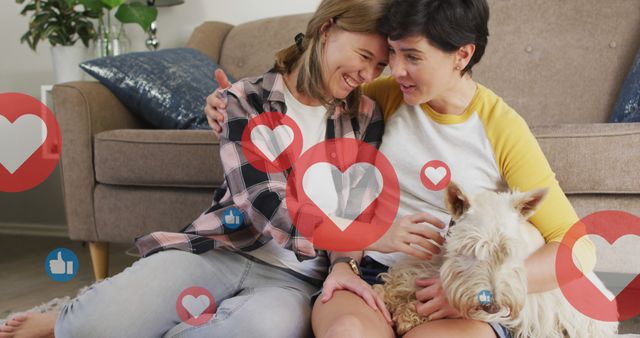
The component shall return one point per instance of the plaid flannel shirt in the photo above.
(260, 196)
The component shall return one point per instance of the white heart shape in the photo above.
(349, 195)
(435, 175)
(20, 139)
(195, 306)
(614, 268)
(597, 282)
(272, 142)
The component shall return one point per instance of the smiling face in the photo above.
(423, 71)
(351, 59)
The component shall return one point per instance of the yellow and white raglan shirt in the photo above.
(485, 147)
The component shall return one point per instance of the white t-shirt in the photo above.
(487, 148)
(463, 146)
(312, 121)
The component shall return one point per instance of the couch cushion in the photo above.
(560, 62)
(167, 88)
(593, 158)
(589, 158)
(159, 158)
(156, 209)
(248, 51)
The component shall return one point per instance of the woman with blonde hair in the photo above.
(260, 287)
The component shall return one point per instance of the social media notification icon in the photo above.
(485, 297)
(342, 195)
(30, 142)
(435, 175)
(195, 306)
(233, 219)
(61, 265)
(272, 142)
(582, 289)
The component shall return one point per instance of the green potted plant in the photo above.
(65, 22)
(60, 22)
(109, 39)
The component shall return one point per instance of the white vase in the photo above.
(66, 60)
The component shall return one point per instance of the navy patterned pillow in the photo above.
(627, 108)
(167, 88)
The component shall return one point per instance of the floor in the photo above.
(25, 284)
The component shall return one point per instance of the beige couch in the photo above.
(561, 64)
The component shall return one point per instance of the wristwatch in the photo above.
(352, 264)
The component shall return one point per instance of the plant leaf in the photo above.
(111, 4)
(48, 31)
(28, 8)
(40, 19)
(95, 6)
(138, 13)
(58, 21)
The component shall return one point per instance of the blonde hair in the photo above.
(360, 16)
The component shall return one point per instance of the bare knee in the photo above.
(347, 315)
(452, 328)
(346, 326)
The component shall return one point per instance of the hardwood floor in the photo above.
(24, 282)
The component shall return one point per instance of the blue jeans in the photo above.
(253, 299)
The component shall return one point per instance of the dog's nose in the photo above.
(490, 308)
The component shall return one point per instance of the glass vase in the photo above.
(112, 40)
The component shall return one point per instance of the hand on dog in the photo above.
(343, 278)
(216, 105)
(432, 302)
(408, 230)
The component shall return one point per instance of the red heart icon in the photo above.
(577, 288)
(30, 142)
(195, 306)
(365, 200)
(272, 142)
(435, 175)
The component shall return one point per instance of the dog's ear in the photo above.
(456, 201)
(526, 203)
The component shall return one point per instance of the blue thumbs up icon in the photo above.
(61, 265)
(233, 218)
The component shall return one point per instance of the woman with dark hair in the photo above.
(435, 109)
(435, 112)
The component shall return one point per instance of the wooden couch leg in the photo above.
(100, 259)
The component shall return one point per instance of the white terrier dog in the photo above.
(482, 271)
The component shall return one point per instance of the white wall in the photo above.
(22, 70)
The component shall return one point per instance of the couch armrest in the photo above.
(84, 109)
(209, 37)
(599, 158)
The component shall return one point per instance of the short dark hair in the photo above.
(447, 24)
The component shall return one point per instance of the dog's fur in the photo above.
(486, 250)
